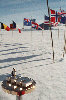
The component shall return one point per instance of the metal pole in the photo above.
(19, 98)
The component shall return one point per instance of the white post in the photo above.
(19, 98)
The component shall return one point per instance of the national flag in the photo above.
(11, 26)
(46, 18)
(33, 20)
(14, 24)
(63, 20)
(44, 26)
(55, 17)
(17, 27)
(27, 22)
(47, 21)
(52, 12)
(62, 13)
(19, 30)
(3, 26)
(52, 15)
(35, 25)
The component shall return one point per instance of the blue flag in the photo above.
(14, 24)
(63, 20)
(46, 18)
(27, 22)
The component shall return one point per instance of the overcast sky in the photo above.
(18, 9)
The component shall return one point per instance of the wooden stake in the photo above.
(53, 55)
(47, 3)
(63, 54)
(52, 43)
(51, 34)
(64, 35)
(64, 47)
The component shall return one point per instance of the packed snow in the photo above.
(31, 54)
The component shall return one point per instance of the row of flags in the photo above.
(58, 16)
(13, 26)
(54, 19)
(32, 23)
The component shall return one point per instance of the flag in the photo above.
(47, 21)
(6, 27)
(62, 13)
(19, 30)
(3, 26)
(63, 20)
(44, 26)
(52, 11)
(27, 22)
(33, 20)
(11, 26)
(52, 15)
(55, 17)
(14, 24)
(46, 18)
(36, 26)
(17, 27)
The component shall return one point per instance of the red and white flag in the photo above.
(35, 25)
(19, 30)
(52, 15)
(55, 17)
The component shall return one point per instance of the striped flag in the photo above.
(3, 26)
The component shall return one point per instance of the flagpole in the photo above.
(23, 23)
(31, 24)
(31, 34)
(43, 28)
(31, 28)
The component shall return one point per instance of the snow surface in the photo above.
(30, 53)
